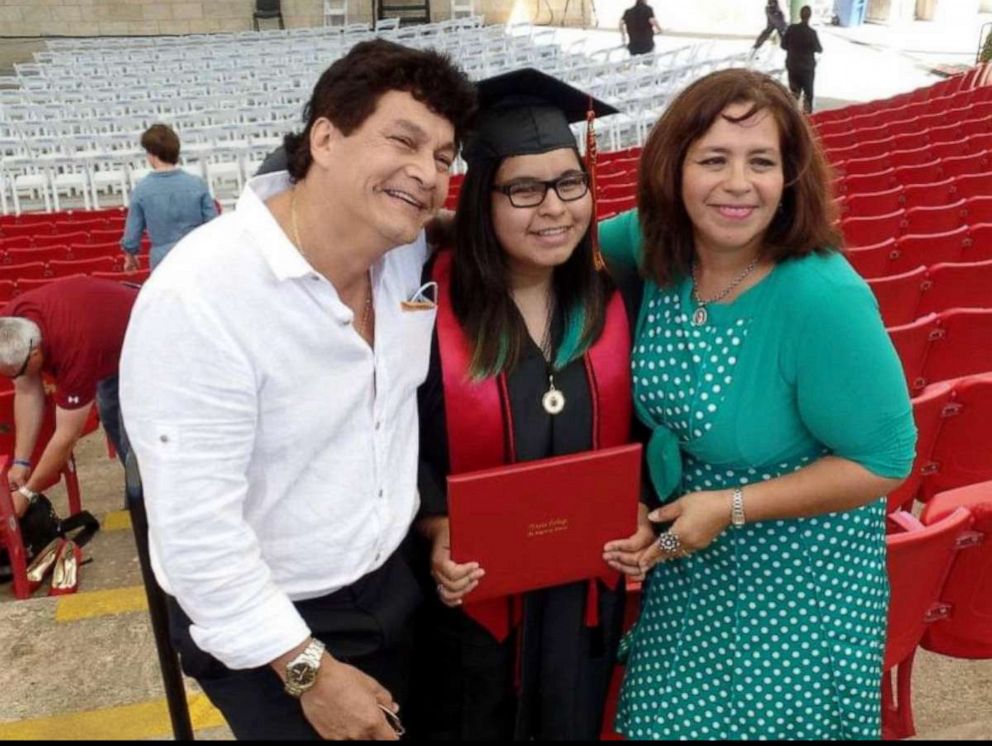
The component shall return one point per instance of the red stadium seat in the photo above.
(93, 250)
(938, 219)
(980, 125)
(979, 143)
(873, 261)
(28, 230)
(944, 150)
(957, 285)
(931, 195)
(871, 204)
(872, 230)
(137, 277)
(61, 239)
(70, 226)
(860, 149)
(915, 157)
(922, 173)
(8, 289)
(979, 245)
(963, 348)
(909, 140)
(618, 191)
(621, 178)
(31, 270)
(25, 284)
(854, 166)
(918, 562)
(608, 207)
(24, 242)
(899, 295)
(965, 165)
(914, 250)
(928, 414)
(84, 266)
(977, 185)
(912, 342)
(965, 627)
(879, 181)
(25, 256)
(113, 235)
(978, 209)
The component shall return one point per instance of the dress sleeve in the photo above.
(850, 386)
(620, 241)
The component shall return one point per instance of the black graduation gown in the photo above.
(465, 682)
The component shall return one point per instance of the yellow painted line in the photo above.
(119, 520)
(124, 723)
(91, 604)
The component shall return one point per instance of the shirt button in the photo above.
(378, 424)
(164, 438)
(380, 493)
(378, 555)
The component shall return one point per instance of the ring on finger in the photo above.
(669, 543)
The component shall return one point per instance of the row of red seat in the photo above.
(72, 252)
(42, 240)
(12, 288)
(968, 147)
(976, 78)
(973, 172)
(948, 133)
(944, 346)
(902, 299)
(871, 226)
(62, 216)
(896, 256)
(842, 121)
(974, 109)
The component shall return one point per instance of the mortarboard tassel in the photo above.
(597, 256)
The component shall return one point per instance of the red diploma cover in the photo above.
(544, 523)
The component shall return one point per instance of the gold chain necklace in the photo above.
(367, 313)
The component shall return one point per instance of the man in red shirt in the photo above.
(71, 330)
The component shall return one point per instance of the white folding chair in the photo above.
(336, 13)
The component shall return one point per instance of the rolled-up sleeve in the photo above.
(189, 400)
(850, 386)
(134, 226)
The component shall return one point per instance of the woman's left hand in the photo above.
(624, 555)
(697, 518)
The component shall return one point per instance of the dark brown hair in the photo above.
(805, 222)
(161, 141)
(349, 90)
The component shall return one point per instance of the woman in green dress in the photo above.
(780, 418)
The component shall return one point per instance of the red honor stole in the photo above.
(480, 424)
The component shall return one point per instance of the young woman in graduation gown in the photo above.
(533, 342)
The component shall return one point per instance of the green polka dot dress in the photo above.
(777, 629)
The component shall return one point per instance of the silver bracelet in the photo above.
(737, 518)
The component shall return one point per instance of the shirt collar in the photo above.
(279, 252)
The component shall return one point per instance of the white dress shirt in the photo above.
(278, 452)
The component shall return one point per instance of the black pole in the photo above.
(168, 659)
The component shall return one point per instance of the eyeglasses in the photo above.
(24, 365)
(532, 192)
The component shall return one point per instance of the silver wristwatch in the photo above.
(301, 672)
(737, 518)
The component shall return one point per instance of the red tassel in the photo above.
(591, 157)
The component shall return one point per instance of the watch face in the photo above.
(301, 674)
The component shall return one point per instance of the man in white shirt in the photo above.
(268, 385)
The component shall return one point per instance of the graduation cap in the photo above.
(528, 112)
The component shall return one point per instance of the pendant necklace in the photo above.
(553, 400)
(700, 316)
(367, 312)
